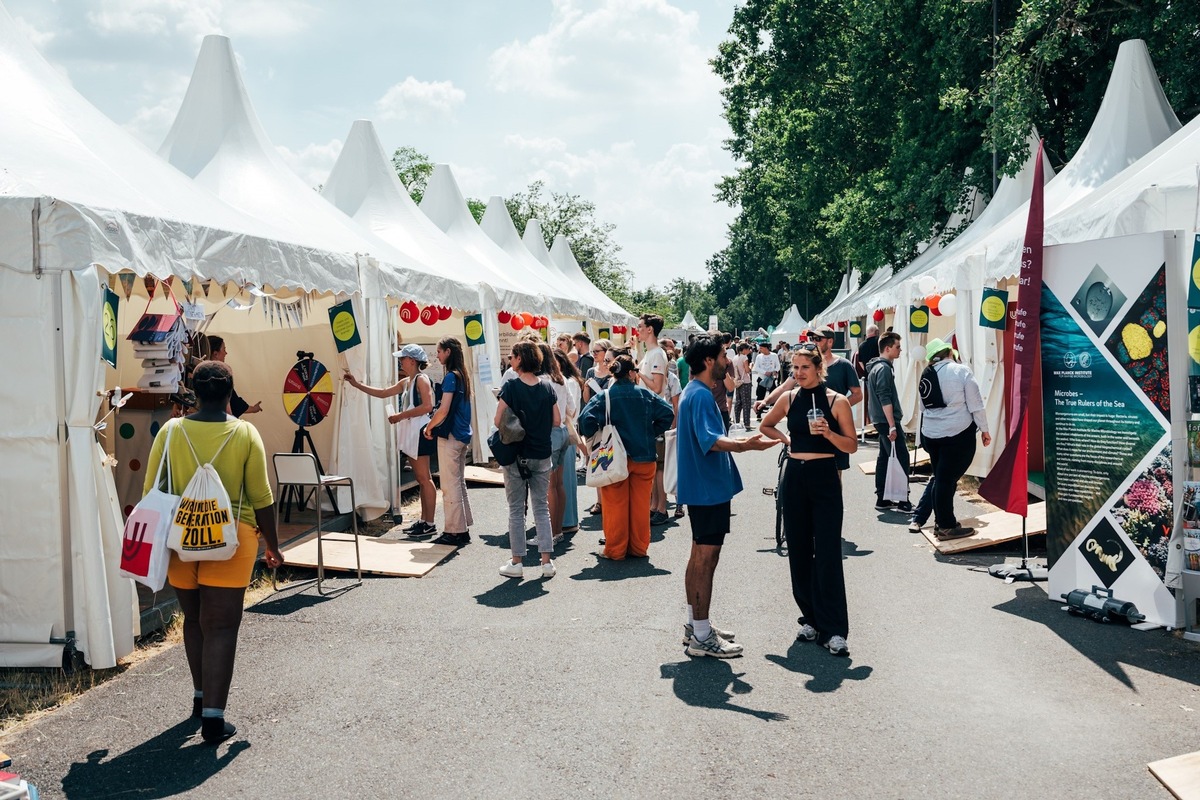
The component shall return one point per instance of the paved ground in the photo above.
(463, 684)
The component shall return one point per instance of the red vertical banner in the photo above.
(1007, 485)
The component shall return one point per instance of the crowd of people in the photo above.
(691, 404)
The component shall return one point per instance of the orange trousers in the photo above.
(625, 508)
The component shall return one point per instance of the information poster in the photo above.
(1107, 420)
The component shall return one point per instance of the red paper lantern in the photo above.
(409, 312)
(517, 322)
(525, 315)
(504, 317)
(444, 312)
(540, 323)
(429, 315)
(878, 315)
(932, 302)
(842, 325)
(618, 329)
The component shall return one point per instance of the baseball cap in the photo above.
(825, 332)
(413, 351)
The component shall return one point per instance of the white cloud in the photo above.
(313, 162)
(419, 100)
(191, 20)
(39, 38)
(161, 96)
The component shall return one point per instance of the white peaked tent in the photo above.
(846, 288)
(565, 299)
(80, 199)
(790, 327)
(562, 255)
(217, 139)
(364, 186)
(689, 324)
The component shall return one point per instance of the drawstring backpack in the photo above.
(205, 527)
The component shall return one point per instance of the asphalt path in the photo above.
(466, 684)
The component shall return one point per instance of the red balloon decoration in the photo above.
(540, 323)
(409, 312)
(504, 317)
(525, 315)
(429, 315)
(878, 315)
(843, 324)
(518, 322)
(932, 302)
(444, 312)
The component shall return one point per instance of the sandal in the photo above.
(595, 509)
(678, 512)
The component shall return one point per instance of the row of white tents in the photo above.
(1136, 171)
(81, 201)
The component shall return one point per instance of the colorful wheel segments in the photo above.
(307, 392)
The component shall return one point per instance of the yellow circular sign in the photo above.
(110, 328)
(474, 329)
(919, 318)
(343, 326)
(1194, 344)
(993, 309)
(855, 329)
(1196, 273)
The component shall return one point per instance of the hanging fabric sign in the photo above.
(918, 319)
(109, 349)
(473, 324)
(345, 327)
(603, 333)
(1194, 276)
(993, 308)
(856, 329)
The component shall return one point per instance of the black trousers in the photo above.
(950, 458)
(885, 452)
(812, 517)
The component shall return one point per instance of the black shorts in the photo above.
(709, 523)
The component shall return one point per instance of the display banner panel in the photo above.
(1105, 339)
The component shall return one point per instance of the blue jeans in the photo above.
(537, 487)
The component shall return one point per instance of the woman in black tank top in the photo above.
(812, 504)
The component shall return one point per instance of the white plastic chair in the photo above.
(300, 469)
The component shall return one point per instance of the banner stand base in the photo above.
(1019, 572)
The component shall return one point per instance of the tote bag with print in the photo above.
(606, 461)
(205, 525)
(144, 552)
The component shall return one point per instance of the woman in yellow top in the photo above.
(211, 593)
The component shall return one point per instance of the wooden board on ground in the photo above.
(1181, 775)
(488, 475)
(918, 459)
(990, 529)
(379, 556)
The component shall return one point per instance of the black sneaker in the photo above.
(215, 730)
(448, 538)
(884, 505)
(658, 518)
(905, 506)
(421, 530)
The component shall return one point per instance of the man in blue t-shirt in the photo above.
(708, 479)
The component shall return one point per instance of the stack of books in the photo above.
(159, 341)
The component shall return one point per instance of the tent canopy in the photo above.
(563, 256)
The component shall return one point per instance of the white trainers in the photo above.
(713, 646)
(807, 633)
(548, 570)
(511, 570)
(728, 636)
(837, 645)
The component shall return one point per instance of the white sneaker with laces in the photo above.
(807, 633)
(728, 636)
(713, 646)
(511, 570)
(837, 645)
(549, 570)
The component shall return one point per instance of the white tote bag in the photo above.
(205, 526)
(408, 431)
(670, 463)
(144, 552)
(895, 486)
(606, 461)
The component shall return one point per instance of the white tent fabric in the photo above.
(217, 139)
(566, 300)
(690, 325)
(790, 327)
(849, 285)
(564, 257)
(364, 186)
(534, 240)
(97, 200)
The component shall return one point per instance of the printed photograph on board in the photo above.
(1139, 342)
(1146, 509)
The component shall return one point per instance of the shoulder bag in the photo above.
(606, 460)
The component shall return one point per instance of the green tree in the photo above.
(413, 168)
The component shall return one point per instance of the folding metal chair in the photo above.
(300, 470)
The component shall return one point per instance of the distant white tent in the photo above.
(790, 327)
(689, 324)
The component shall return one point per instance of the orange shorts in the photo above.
(233, 573)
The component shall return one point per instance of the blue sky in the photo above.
(609, 99)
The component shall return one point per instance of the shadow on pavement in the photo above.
(512, 592)
(174, 762)
(711, 683)
(850, 550)
(605, 570)
(1109, 646)
(284, 602)
(828, 672)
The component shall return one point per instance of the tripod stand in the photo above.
(294, 492)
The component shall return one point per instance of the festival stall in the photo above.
(81, 204)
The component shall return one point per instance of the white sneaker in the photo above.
(548, 570)
(837, 645)
(511, 570)
(688, 630)
(713, 646)
(807, 633)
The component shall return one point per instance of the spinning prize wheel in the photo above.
(307, 392)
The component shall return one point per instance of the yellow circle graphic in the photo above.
(1194, 344)
(1196, 273)
(474, 329)
(343, 326)
(919, 318)
(855, 329)
(110, 328)
(993, 309)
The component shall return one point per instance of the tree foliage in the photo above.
(855, 123)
